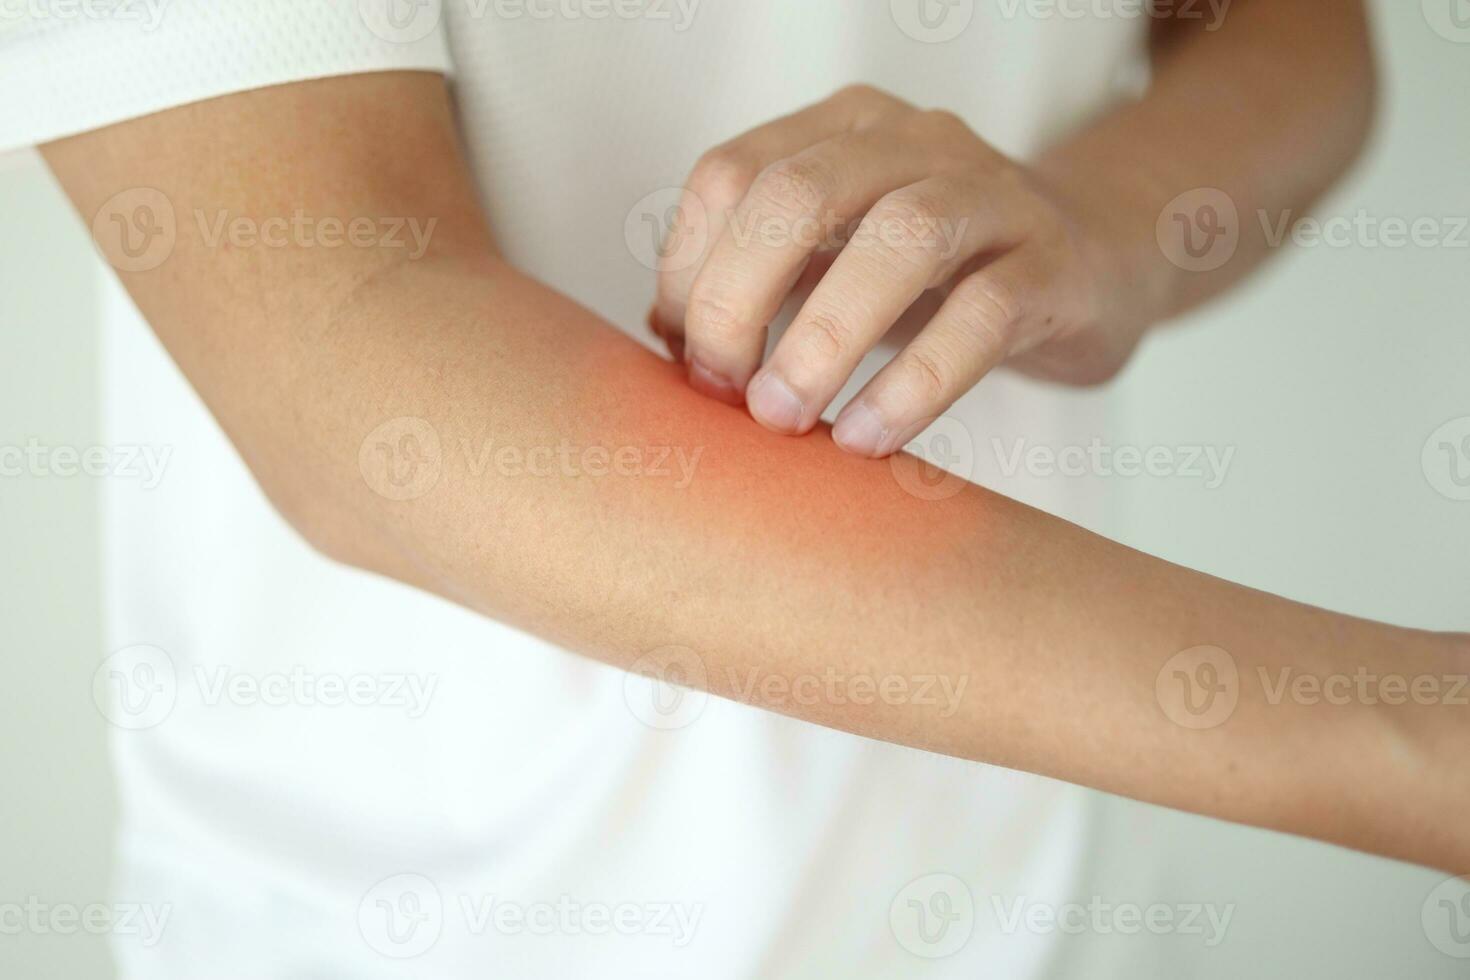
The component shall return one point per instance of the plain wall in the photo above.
(1326, 375)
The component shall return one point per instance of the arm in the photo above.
(1056, 635)
(1269, 105)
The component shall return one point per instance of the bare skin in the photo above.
(1059, 636)
(879, 212)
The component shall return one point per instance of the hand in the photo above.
(877, 203)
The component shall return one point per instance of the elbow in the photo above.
(335, 541)
(327, 530)
(352, 526)
(330, 515)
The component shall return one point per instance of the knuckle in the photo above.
(943, 121)
(794, 185)
(929, 374)
(857, 91)
(913, 207)
(867, 103)
(948, 137)
(860, 92)
(721, 175)
(990, 308)
(712, 318)
(906, 223)
(826, 336)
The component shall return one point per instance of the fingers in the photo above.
(799, 206)
(723, 177)
(909, 242)
(977, 327)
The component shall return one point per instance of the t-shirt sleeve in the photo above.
(68, 66)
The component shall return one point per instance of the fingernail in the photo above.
(859, 430)
(709, 382)
(774, 404)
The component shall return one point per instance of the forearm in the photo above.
(1048, 640)
(1269, 106)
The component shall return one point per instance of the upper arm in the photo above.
(241, 226)
(268, 207)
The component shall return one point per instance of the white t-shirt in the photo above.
(326, 774)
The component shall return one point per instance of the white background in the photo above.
(1326, 375)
